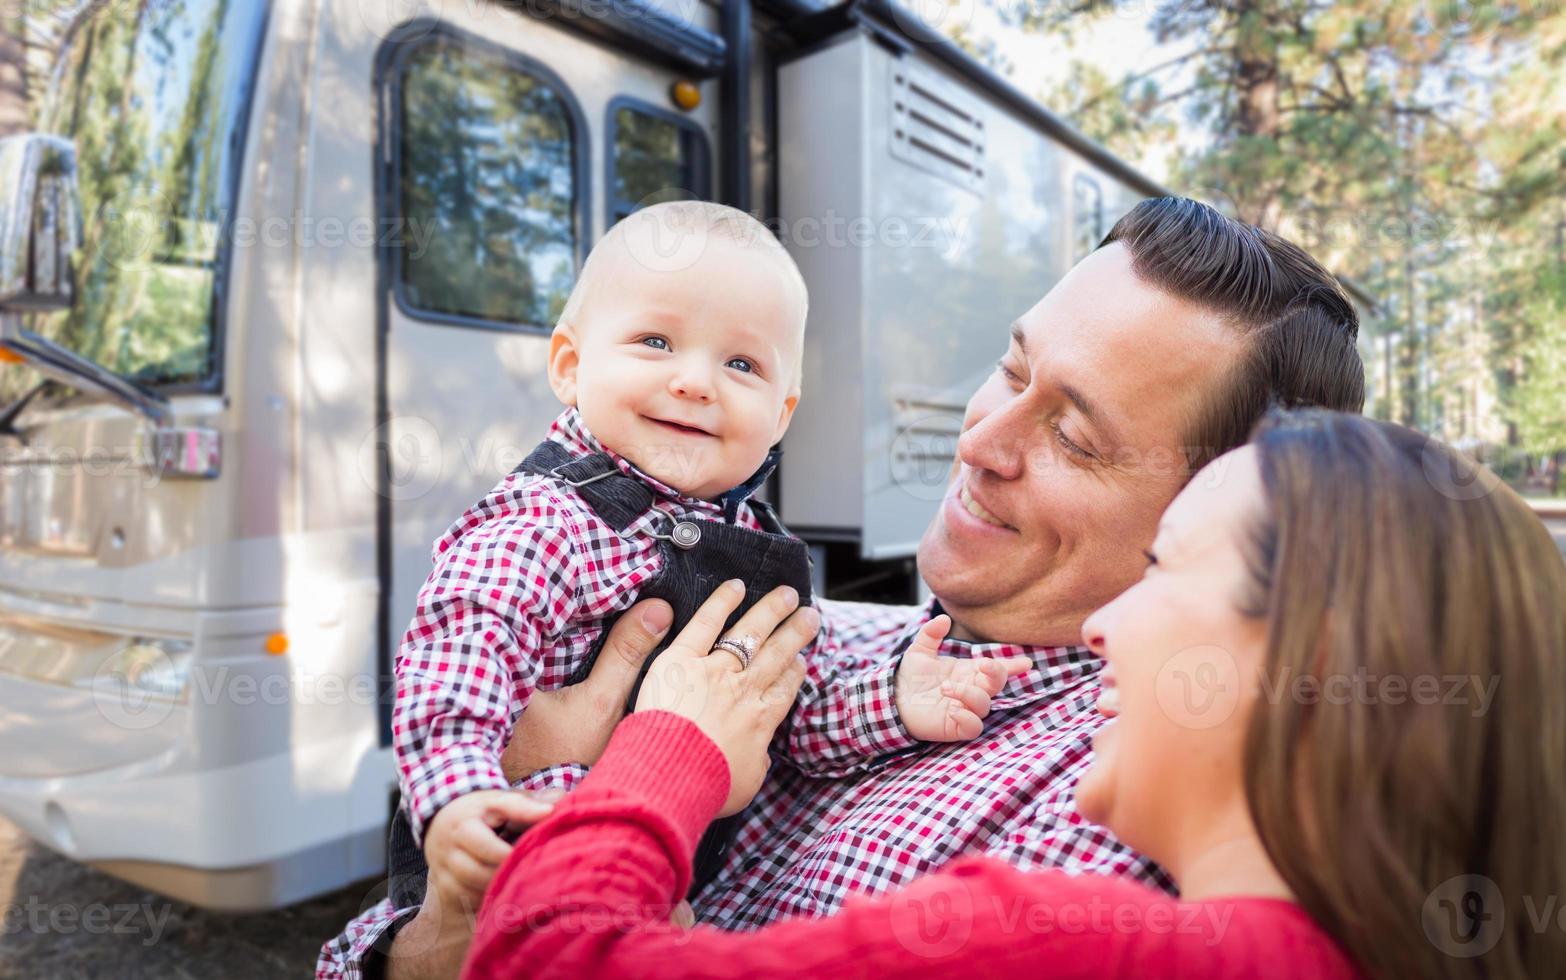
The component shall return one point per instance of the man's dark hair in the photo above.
(1300, 326)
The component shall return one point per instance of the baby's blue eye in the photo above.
(741, 364)
(658, 343)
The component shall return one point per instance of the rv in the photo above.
(276, 284)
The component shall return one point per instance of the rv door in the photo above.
(508, 142)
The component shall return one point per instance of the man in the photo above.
(1157, 353)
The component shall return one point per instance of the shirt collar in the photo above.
(571, 433)
(1055, 669)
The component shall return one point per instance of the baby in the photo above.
(678, 358)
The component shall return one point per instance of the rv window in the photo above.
(654, 155)
(155, 104)
(1088, 205)
(487, 160)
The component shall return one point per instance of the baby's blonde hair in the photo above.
(688, 218)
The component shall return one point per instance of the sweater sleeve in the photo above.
(589, 891)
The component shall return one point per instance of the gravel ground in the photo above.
(64, 921)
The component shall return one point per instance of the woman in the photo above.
(1337, 722)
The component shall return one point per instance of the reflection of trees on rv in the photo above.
(150, 101)
(485, 151)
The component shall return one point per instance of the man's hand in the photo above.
(463, 846)
(574, 723)
(945, 699)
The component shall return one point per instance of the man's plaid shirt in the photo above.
(866, 825)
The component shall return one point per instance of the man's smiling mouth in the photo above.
(977, 510)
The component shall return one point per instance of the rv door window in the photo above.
(487, 161)
(1088, 211)
(154, 96)
(654, 155)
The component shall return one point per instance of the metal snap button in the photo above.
(685, 534)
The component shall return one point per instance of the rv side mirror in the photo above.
(40, 222)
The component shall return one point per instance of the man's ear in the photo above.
(785, 416)
(563, 361)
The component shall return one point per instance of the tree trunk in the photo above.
(1256, 108)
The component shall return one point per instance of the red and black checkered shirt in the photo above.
(523, 585)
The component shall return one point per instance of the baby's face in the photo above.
(690, 374)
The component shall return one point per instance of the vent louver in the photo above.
(937, 129)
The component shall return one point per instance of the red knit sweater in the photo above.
(588, 893)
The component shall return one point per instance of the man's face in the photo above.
(1069, 453)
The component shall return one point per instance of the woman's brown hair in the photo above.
(1417, 818)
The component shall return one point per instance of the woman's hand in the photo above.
(737, 707)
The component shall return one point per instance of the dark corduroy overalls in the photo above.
(698, 556)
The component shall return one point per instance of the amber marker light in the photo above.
(277, 644)
(686, 95)
(9, 356)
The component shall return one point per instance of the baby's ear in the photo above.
(787, 415)
(563, 361)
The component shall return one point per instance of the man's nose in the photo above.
(692, 380)
(996, 441)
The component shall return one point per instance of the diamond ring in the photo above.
(744, 648)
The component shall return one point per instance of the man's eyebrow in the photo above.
(1089, 410)
(1084, 404)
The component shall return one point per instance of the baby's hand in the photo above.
(463, 846)
(945, 699)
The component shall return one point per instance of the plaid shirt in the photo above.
(523, 585)
(808, 842)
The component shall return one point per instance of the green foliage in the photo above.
(1418, 147)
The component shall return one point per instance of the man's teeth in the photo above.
(972, 507)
